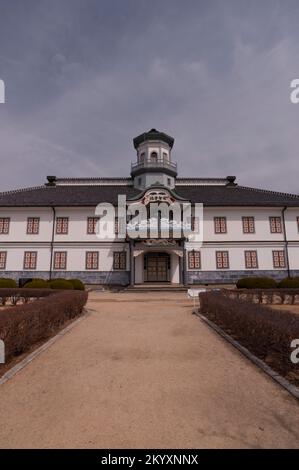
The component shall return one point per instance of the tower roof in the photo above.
(153, 134)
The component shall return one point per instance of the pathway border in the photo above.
(29, 358)
(292, 389)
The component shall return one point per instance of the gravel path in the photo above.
(141, 371)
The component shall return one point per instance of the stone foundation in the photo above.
(88, 277)
(231, 277)
(123, 277)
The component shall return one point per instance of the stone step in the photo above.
(157, 288)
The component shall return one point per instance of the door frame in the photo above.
(157, 254)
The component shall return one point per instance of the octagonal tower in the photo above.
(154, 163)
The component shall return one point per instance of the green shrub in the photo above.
(60, 284)
(37, 284)
(289, 283)
(77, 284)
(5, 282)
(256, 283)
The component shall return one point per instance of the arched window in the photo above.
(165, 156)
(154, 157)
(141, 158)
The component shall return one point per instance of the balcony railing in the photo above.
(157, 164)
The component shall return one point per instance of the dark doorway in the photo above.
(156, 267)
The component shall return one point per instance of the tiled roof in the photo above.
(234, 195)
(85, 195)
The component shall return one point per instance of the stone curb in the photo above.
(292, 389)
(14, 370)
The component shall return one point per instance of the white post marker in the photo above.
(2, 352)
(193, 294)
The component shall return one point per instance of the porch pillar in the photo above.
(183, 264)
(132, 264)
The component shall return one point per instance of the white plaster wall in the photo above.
(75, 256)
(18, 224)
(237, 256)
(294, 256)
(139, 269)
(77, 241)
(15, 257)
(174, 268)
(291, 215)
(78, 224)
(235, 228)
(77, 229)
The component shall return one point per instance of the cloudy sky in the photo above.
(83, 77)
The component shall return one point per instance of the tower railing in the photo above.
(155, 164)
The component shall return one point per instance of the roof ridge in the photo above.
(269, 191)
(30, 188)
(201, 178)
(93, 178)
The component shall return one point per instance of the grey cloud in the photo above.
(84, 77)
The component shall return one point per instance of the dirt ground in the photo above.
(142, 372)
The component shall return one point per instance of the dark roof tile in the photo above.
(85, 195)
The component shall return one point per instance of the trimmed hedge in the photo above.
(256, 283)
(264, 331)
(60, 284)
(37, 284)
(23, 326)
(289, 283)
(5, 282)
(15, 294)
(77, 284)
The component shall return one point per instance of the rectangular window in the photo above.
(4, 225)
(3, 255)
(275, 224)
(32, 225)
(194, 260)
(92, 260)
(278, 259)
(248, 224)
(298, 223)
(60, 260)
(119, 260)
(30, 258)
(92, 225)
(62, 225)
(251, 259)
(220, 224)
(222, 260)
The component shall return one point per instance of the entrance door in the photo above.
(156, 267)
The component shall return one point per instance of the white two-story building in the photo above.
(52, 230)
